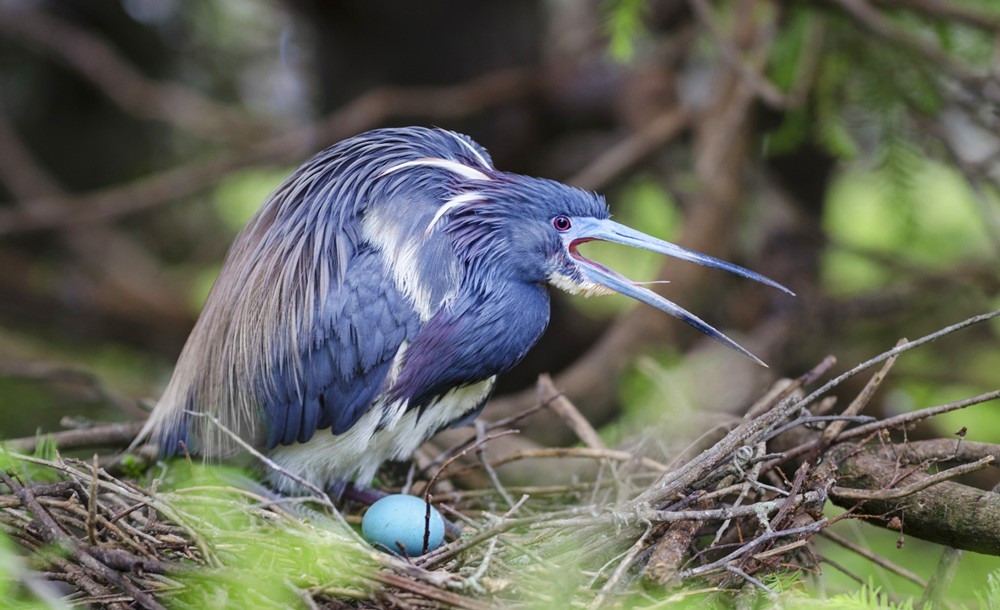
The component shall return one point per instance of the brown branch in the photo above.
(669, 552)
(575, 421)
(630, 151)
(946, 513)
(580, 452)
(128, 279)
(431, 592)
(368, 110)
(752, 431)
(19, 170)
(52, 532)
(913, 416)
(859, 402)
(112, 435)
(906, 418)
(55, 373)
(948, 450)
(98, 62)
(752, 76)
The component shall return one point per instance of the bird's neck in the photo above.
(519, 314)
(482, 332)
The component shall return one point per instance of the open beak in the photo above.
(586, 229)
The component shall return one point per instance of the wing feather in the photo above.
(319, 293)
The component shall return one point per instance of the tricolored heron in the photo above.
(376, 295)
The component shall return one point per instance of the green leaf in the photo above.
(624, 27)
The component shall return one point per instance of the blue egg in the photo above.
(400, 520)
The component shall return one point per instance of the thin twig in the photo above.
(908, 418)
(860, 401)
(873, 557)
(850, 493)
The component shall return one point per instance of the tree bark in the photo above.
(948, 513)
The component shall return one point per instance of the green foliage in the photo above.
(624, 27)
(868, 597)
(132, 468)
(201, 285)
(45, 449)
(989, 596)
(240, 194)
(647, 389)
(13, 575)
(918, 212)
(260, 559)
(830, 129)
(866, 92)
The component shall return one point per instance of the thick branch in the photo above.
(947, 513)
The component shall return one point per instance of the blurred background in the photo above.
(849, 149)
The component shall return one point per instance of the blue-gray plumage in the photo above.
(375, 296)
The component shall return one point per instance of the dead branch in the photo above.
(51, 531)
(669, 552)
(948, 450)
(895, 493)
(59, 374)
(575, 421)
(752, 75)
(128, 278)
(104, 436)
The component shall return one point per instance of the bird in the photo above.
(374, 298)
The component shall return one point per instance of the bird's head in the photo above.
(536, 227)
(508, 227)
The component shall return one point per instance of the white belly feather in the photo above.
(356, 455)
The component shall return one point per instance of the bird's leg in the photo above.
(362, 495)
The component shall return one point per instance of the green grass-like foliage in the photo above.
(260, 556)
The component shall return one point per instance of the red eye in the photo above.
(561, 223)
